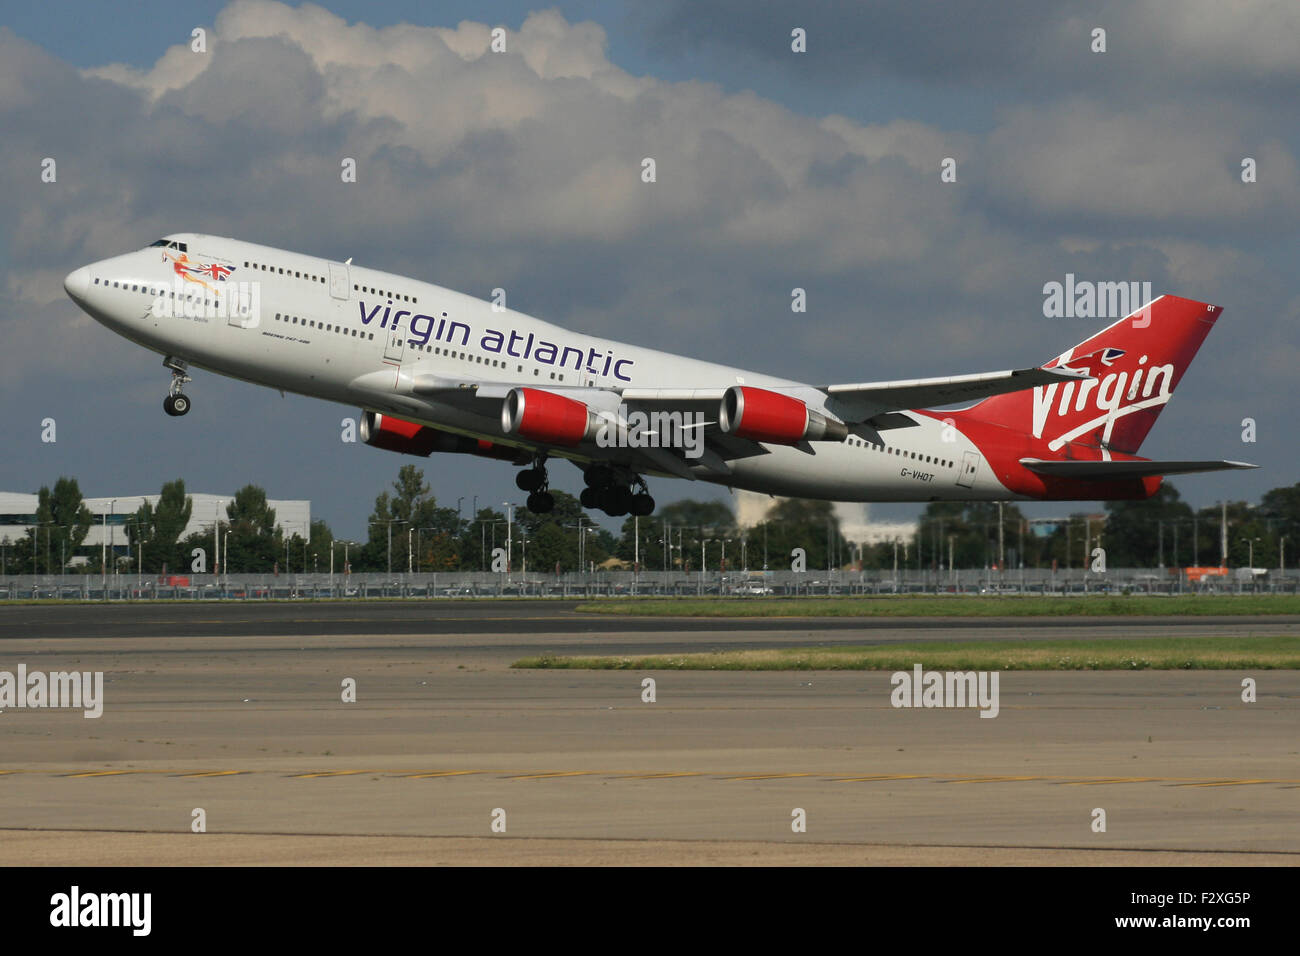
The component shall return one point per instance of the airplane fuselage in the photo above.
(361, 336)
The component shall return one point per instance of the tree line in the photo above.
(408, 529)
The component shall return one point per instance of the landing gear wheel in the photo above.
(598, 476)
(590, 498)
(531, 479)
(541, 502)
(176, 404)
(642, 505)
(618, 502)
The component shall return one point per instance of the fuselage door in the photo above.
(395, 344)
(239, 302)
(970, 462)
(338, 280)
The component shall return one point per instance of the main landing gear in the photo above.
(535, 481)
(615, 495)
(176, 404)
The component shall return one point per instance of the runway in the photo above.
(494, 616)
(444, 738)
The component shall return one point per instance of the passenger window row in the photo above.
(284, 272)
(155, 291)
(495, 363)
(395, 296)
(322, 326)
(894, 450)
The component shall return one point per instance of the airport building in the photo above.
(856, 525)
(113, 515)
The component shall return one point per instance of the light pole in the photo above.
(389, 522)
(103, 555)
(104, 546)
(510, 518)
(704, 543)
(410, 554)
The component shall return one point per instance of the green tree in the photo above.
(255, 544)
(157, 528)
(686, 524)
(1140, 534)
(475, 548)
(793, 523)
(62, 521)
(553, 537)
(319, 543)
(405, 517)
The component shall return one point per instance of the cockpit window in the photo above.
(160, 242)
(170, 244)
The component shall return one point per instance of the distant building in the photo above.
(856, 526)
(112, 515)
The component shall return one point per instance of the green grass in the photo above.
(1171, 653)
(950, 606)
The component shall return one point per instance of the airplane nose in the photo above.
(77, 283)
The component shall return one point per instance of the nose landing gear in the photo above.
(176, 404)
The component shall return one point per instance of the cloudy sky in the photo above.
(776, 170)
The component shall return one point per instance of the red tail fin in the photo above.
(1137, 364)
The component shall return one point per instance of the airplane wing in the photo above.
(876, 406)
(857, 403)
(1112, 470)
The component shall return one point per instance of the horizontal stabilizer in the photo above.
(1112, 470)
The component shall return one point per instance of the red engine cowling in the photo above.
(411, 438)
(762, 415)
(546, 417)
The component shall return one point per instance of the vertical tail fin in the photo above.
(1136, 363)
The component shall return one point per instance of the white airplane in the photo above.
(435, 370)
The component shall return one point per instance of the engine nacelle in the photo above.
(546, 417)
(411, 438)
(762, 415)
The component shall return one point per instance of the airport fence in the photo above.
(740, 584)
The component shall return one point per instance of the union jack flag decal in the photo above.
(216, 271)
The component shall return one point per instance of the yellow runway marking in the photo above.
(1223, 783)
(661, 776)
(774, 776)
(560, 773)
(100, 773)
(213, 773)
(821, 776)
(441, 773)
(330, 773)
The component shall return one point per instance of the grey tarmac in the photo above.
(251, 728)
